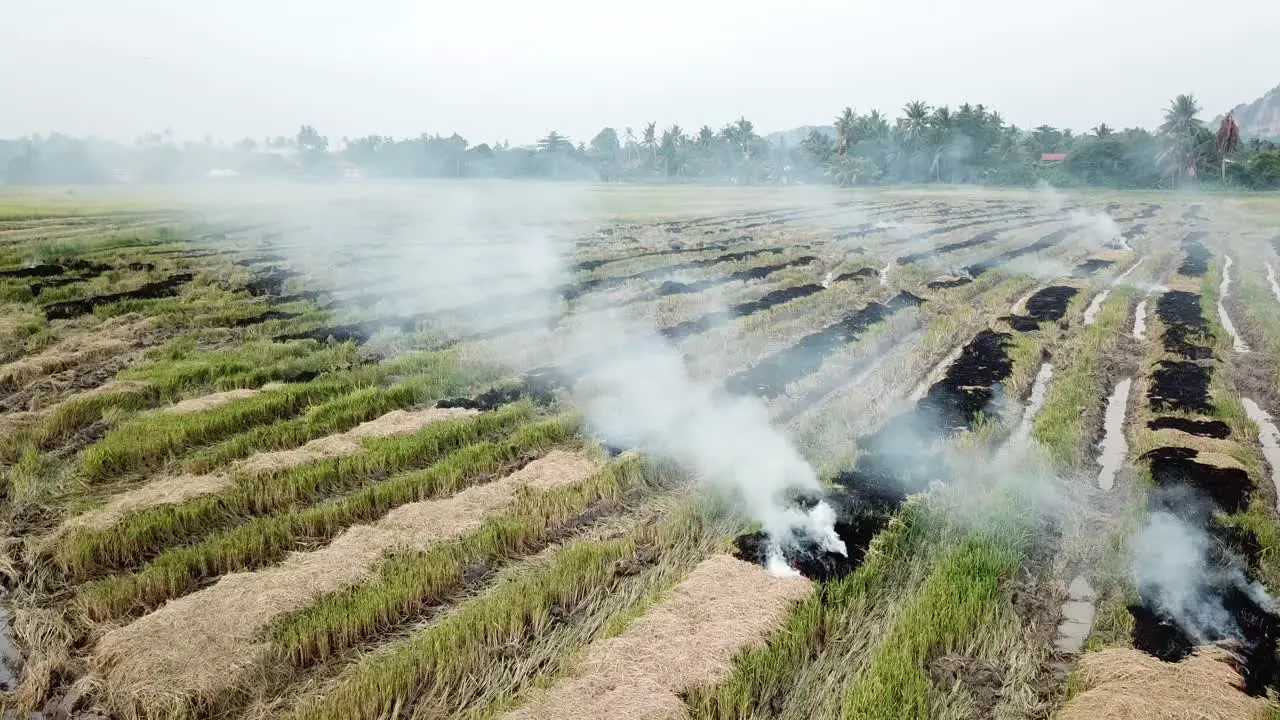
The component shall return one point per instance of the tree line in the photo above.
(924, 144)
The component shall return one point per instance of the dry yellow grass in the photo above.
(213, 400)
(60, 357)
(1127, 684)
(203, 645)
(724, 605)
(180, 488)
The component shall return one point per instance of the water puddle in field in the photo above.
(1114, 448)
(935, 374)
(884, 273)
(1077, 616)
(1237, 343)
(10, 658)
(1140, 321)
(1271, 278)
(1128, 272)
(1091, 312)
(1268, 436)
(1038, 390)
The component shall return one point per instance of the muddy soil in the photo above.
(1046, 305)
(684, 329)
(1179, 386)
(772, 375)
(1201, 428)
(981, 678)
(168, 287)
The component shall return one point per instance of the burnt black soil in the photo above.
(683, 330)
(1196, 263)
(357, 333)
(270, 282)
(538, 389)
(950, 283)
(756, 273)
(975, 241)
(1090, 267)
(771, 377)
(575, 291)
(1179, 386)
(1156, 633)
(1180, 313)
(897, 459)
(857, 522)
(1227, 488)
(76, 270)
(163, 288)
(1256, 629)
(35, 271)
(259, 319)
(859, 274)
(1134, 231)
(1201, 428)
(260, 260)
(968, 386)
(1149, 211)
(1043, 243)
(1046, 305)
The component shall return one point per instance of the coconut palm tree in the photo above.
(1182, 133)
(846, 126)
(915, 122)
(1103, 131)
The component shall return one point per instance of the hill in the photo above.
(1260, 118)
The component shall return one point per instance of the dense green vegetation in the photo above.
(966, 144)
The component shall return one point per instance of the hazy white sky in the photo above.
(513, 69)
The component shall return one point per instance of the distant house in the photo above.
(1052, 157)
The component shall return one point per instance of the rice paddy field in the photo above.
(523, 451)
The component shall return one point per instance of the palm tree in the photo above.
(915, 121)
(846, 126)
(650, 141)
(1181, 130)
(1103, 131)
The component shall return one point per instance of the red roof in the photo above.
(1053, 156)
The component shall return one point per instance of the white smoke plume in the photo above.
(485, 253)
(1171, 565)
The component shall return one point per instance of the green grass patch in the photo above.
(765, 676)
(143, 533)
(408, 582)
(959, 602)
(442, 660)
(1075, 384)
(269, 539)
